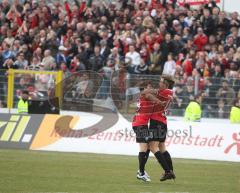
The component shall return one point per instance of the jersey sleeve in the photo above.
(166, 96)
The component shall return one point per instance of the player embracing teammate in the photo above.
(150, 126)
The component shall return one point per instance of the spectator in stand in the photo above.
(187, 65)
(16, 47)
(26, 51)
(208, 23)
(215, 15)
(235, 80)
(66, 71)
(76, 64)
(189, 18)
(186, 35)
(134, 56)
(21, 62)
(96, 61)
(223, 25)
(226, 93)
(28, 37)
(177, 27)
(61, 55)
(216, 76)
(234, 20)
(212, 54)
(229, 44)
(114, 58)
(169, 66)
(235, 35)
(9, 39)
(200, 40)
(7, 53)
(167, 47)
(141, 69)
(84, 87)
(178, 44)
(188, 93)
(177, 105)
(35, 64)
(48, 60)
(104, 50)
(107, 72)
(154, 60)
(51, 43)
(221, 109)
(38, 54)
(208, 98)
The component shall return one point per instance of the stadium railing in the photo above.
(119, 91)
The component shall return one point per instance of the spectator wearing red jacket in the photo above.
(187, 66)
(200, 40)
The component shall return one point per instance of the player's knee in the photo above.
(154, 148)
(143, 147)
(162, 147)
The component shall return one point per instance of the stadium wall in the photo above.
(210, 139)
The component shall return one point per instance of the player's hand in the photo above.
(161, 103)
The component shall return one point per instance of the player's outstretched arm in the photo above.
(154, 99)
(149, 91)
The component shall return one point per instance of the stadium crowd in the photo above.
(140, 37)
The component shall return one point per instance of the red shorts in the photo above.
(141, 119)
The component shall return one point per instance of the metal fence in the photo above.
(119, 90)
(218, 94)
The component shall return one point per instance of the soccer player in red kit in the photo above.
(158, 125)
(140, 127)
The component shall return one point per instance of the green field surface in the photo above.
(34, 171)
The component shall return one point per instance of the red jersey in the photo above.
(164, 95)
(143, 113)
(144, 106)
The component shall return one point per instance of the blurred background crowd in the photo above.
(199, 46)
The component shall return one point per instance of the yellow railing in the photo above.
(12, 73)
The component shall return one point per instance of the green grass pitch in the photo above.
(34, 171)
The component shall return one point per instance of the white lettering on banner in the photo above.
(209, 139)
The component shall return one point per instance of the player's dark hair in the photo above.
(169, 80)
(144, 84)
